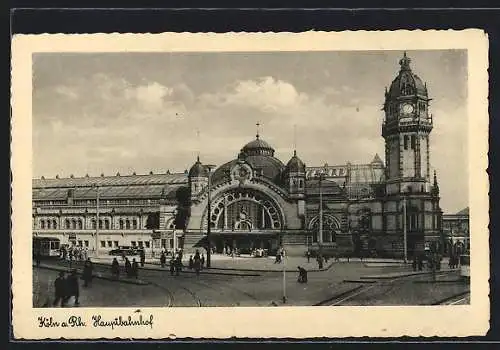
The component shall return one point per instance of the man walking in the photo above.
(73, 288)
(60, 289)
(143, 257)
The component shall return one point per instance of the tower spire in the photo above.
(295, 140)
(198, 141)
(405, 62)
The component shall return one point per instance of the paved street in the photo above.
(374, 283)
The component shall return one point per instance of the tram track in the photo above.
(388, 286)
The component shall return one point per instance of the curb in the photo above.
(136, 282)
(359, 281)
(339, 295)
(381, 277)
(202, 272)
(446, 281)
(157, 268)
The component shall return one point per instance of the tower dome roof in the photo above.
(295, 164)
(198, 169)
(406, 83)
(258, 147)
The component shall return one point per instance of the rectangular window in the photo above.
(86, 243)
(115, 244)
(133, 243)
(413, 142)
(140, 244)
(147, 244)
(103, 244)
(406, 142)
(110, 244)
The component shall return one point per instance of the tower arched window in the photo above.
(405, 141)
(66, 223)
(106, 224)
(42, 224)
(80, 224)
(54, 224)
(121, 224)
(127, 224)
(134, 224)
(49, 224)
(73, 224)
(100, 224)
(94, 224)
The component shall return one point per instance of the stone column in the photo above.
(225, 214)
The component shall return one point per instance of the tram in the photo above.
(49, 247)
(465, 266)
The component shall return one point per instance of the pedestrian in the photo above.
(143, 257)
(197, 262)
(172, 265)
(73, 288)
(87, 272)
(414, 264)
(191, 262)
(128, 267)
(320, 261)
(70, 257)
(163, 259)
(135, 269)
(60, 290)
(37, 256)
(123, 256)
(115, 268)
(202, 261)
(178, 265)
(308, 255)
(302, 275)
(420, 263)
(326, 258)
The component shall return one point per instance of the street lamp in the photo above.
(320, 177)
(405, 234)
(209, 210)
(97, 220)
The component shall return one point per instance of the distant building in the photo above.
(257, 201)
(456, 229)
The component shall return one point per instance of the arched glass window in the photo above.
(121, 224)
(80, 224)
(100, 224)
(67, 223)
(134, 224)
(127, 224)
(106, 224)
(73, 226)
(49, 224)
(42, 224)
(54, 224)
(93, 224)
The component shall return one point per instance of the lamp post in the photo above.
(405, 238)
(209, 210)
(97, 221)
(321, 177)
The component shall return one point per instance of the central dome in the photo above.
(258, 147)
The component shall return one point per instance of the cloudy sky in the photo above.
(126, 112)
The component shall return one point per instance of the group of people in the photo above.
(197, 263)
(74, 253)
(131, 269)
(280, 255)
(454, 262)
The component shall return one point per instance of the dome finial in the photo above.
(405, 62)
(258, 131)
(198, 141)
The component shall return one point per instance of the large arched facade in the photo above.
(331, 227)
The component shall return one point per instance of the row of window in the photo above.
(77, 224)
(93, 202)
(134, 244)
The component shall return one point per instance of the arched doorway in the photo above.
(244, 219)
(331, 226)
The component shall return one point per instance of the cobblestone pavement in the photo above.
(214, 289)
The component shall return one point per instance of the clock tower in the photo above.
(406, 131)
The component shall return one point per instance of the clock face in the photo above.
(407, 108)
